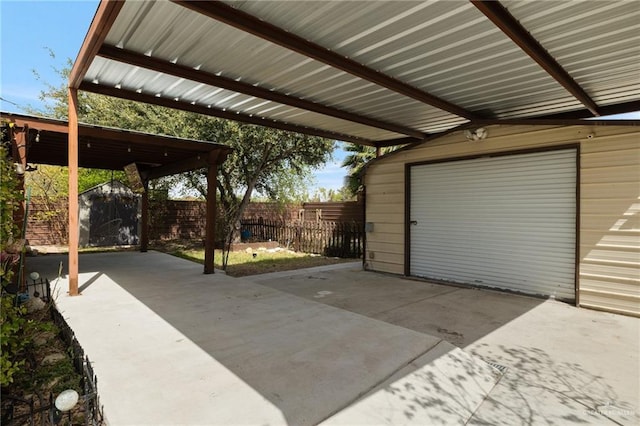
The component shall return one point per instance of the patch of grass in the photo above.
(242, 263)
(57, 377)
(107, 249)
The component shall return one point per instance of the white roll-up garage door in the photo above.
(507, 222)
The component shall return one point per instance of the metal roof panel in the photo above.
(446, 48)
(439, 47)
(122, 76)
(596, 42)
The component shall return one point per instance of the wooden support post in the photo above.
(144, 232)
(210, 233)
(73, 192)
(20, 140)
(19, 151)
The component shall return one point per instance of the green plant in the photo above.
(10, 199)
(241, 263)
(13, 323)
(12, 320)
(19, 332)
(10, 196)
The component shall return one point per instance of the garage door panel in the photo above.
(539, 263)
(480, 251)
(496, 278)
(508, 225)
(506, 222)
(489, 178)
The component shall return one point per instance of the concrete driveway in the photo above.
(564, 365)
(339, 346)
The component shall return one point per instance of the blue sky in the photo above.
(29, 30)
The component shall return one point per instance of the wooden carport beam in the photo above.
(104, 18)
(74, 232)
(182, 71)
(250, 24)
(40, 125)
(501, 17)
(215, 112)
(194, 163)
(20, 141)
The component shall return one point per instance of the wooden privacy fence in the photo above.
(336, 239)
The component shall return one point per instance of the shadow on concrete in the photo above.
(443, 387)
(89, 282)
(538, 389)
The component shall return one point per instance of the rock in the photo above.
(53, 383)
(35, 304)
(30, 251)
(53, 358)
(249, 250)
(43, 338)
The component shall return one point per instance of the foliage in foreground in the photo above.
(10, 199)
(12, 323)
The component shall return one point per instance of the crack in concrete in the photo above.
(417, 301)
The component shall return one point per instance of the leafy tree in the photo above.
(51, 182)
(324, 195)
(48, 181)
(358, 157)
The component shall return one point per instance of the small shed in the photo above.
(109, 215)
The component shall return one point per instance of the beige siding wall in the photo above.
(609, 253)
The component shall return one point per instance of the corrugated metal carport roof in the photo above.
(371, 72)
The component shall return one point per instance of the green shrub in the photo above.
(12, 320)
(10, 197)
(13, 324)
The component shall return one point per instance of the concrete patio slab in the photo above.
(565, 365)
(173, 346)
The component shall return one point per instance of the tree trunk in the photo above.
(235, 236)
